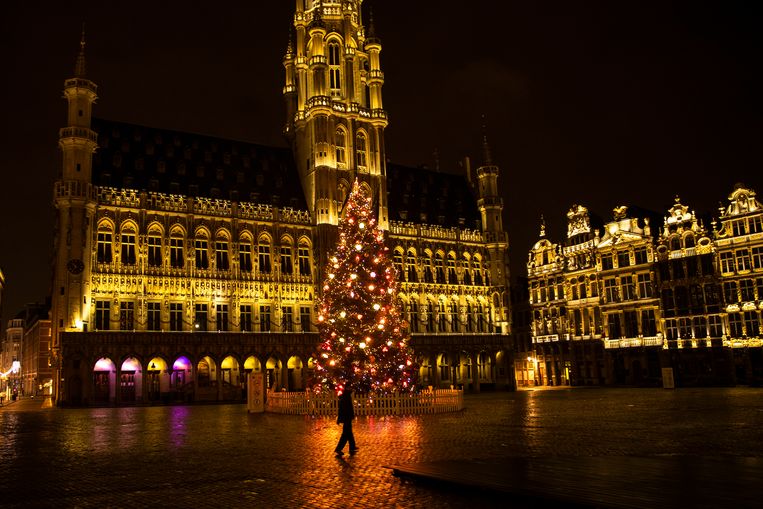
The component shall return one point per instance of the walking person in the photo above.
(345, 416)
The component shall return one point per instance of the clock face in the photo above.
(75, 266)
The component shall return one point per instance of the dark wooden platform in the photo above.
(613, 481)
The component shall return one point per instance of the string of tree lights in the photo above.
(364, 340)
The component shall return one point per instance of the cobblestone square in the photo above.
(208, 455)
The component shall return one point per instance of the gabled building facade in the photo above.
(182, 262)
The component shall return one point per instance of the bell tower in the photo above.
(335, 116)
(74, 200)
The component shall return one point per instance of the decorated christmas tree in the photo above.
(364, 341)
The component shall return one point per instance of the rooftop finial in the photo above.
(542, 226)
(371, 25)
(290, 45)
(79, 66)
(487, 158)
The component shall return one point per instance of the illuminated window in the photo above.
(453, 317)
(410, 265)
(304, 318)
(607, 262)
(360, 150)
(684, 328)
(428, 270)
(738, 228)
(628, 288)
(414, 316)
(340, 141)
(441, 317)
(335, 70)
(610, 290)
(640, 256)
(644, 286)
(440, 268)
(467, 271)
(264, 318)
(623, 259)
(398, 262)
(452, 279)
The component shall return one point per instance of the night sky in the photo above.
(594, 102)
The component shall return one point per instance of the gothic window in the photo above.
(200, 246)
(452, 279)
(304, 318)
(428, 269)
(221, 316)
(480, 318)
(429, 310)
(444, 367)
(154, 316)
(453, 317)
(398, 262)
(287, 267)
(287, 319)
(440, 268)
(410, 265)
(263, 256)
(245, 317)
(264, 318)
(245, 255)
(441, 317)
(335, 70)
(102, 315)
(360, 150)
(414, 316)
(467, 271)
(154, 248)
(176, 250)
(126, 316)
(221, 254)
(304, 259)
(469, 317)
(200, 318)
(340, 141)
(176, 316)
(104, 247)
(128, 247)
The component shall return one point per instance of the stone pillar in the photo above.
(475, 373)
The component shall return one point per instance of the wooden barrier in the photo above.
(308, 403)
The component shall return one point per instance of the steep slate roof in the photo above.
(145, 158)
(420, 195)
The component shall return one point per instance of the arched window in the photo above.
(467, 272)
(245, 255)
(105, 237)
(410, 264)
(360, 150)
(154, 247)
(452, 279)
(304, 259)
(200, 250)
(128, 245)
(689, 241)
(414, 315)
(477, 267)
(442, 319)
(222, 259)
(335, 70)
(428, 269)
(440, 268)
(340, 141)
(263, 255)
(287, 265)
(675, 244)
(429, 310)
(177, 260)
(453, 312)
(398, 261)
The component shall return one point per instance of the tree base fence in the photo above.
(308, 403)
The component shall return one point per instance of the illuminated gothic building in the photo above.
(617, 306)
(184, 261)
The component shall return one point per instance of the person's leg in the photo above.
(351, 437)
(342, 439)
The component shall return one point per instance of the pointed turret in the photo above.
(79, 66)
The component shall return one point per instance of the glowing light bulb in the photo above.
(332, 363)
(342, 314)
(320, 318)
(373, 274)
(362, 345)
(361, 225)
(331, 276)
(371, 287)
(353, 276)
(358, 247)
(376, 307)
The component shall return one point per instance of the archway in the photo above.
(206, 372)
(104, 381)
(157, 379)
(443, 366)
(295, 378)
(425, 371)
(273, 372)
(130, 381)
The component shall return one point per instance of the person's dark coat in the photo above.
(346, 411)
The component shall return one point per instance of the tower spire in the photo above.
(371, 34)
(79, 66)
(487, 157)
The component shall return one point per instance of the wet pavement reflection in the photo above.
(222, 456)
